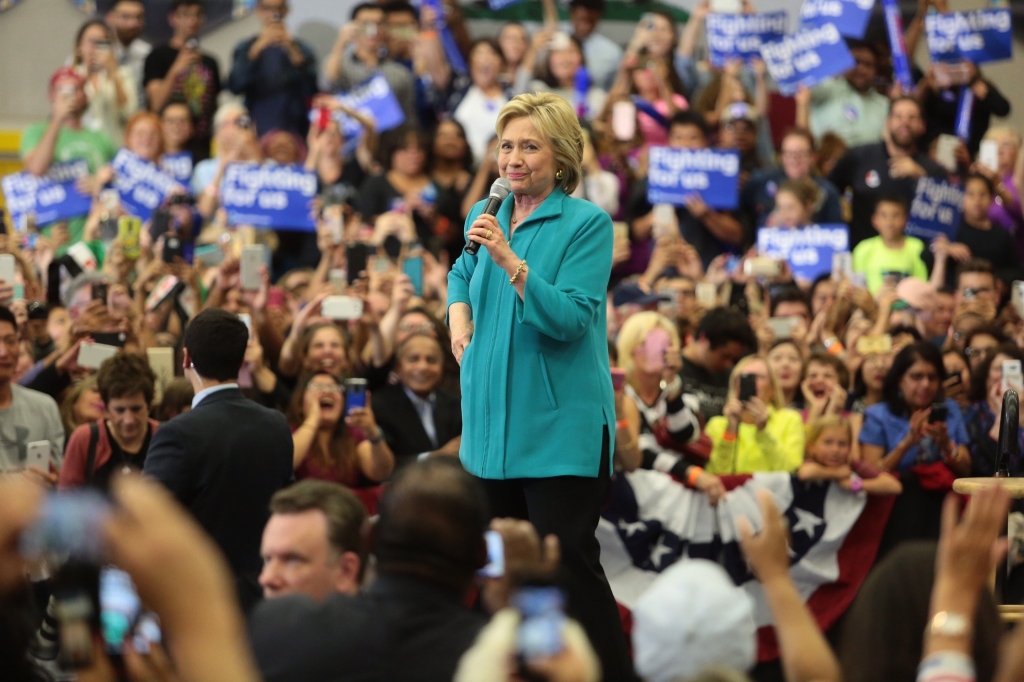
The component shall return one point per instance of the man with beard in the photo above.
(890, 167)
(127, 18)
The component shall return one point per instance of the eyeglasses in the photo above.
(976, 352)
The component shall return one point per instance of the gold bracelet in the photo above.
(512, 279)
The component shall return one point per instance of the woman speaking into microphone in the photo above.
(527, 319)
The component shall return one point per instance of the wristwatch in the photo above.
(856, 483)
(948, 624)
(377, 438)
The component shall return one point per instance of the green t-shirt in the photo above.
(873, 258)
(95, 147)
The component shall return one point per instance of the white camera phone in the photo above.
(342, 308)
(91, 355)
(249, 270)
(37, 455)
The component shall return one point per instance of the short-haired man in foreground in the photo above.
(312, 544)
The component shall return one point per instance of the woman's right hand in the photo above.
(461, 337)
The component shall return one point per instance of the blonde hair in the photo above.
(556, 120)
(777, 401)
(634, 331)
(1003, 133)
(828, 421)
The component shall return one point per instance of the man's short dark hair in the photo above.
(904, 98)
(896, 199)
(790, 295)
(115, 3)
(363, 6)
(432, 522)
(177, 4)
(689, 117)
(857, 44)
(399, 7)
(723, 325)
(596, 5)
(216, 340)
(974, 265)
(124, 375)
(345, 513)
(7, 316)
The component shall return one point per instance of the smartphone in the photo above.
(945, 151)
(726, 6)
(166, 287)
(782, 327)
(210, 255)
(109, 338)
(161, 361)
(7, 268)
(99, 292)
(108, 229)
(160, 223)
(337, 279)
(91, 355)
(334, 220)
(657, 342)
(988, 154)
(246, 319)
(939, 413)
(37, 455)
(748, 387)
(342, 308)
(323, 118)
(129, 229)
(356, 256)
(355, 394)
(1017, 298)
(1013, 380)
(122, 617)
(666, 224)
(761, 267)
(413, 267)
(707, 295)
(879, 344)
(542, 611)
(495, 567)
(842, 265)
(624, 120)
(253, 257)
(618, 378)
(173, 248)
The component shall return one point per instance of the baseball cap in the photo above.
(66, 72)
(917, 293)
(692, 617)
(628, 293)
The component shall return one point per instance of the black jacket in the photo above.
(397, 630)
(224, 460)
(400, 422)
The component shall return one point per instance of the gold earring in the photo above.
(559, 175)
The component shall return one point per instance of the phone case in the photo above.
(161, 361)
(92, 355)
(37, 455)
(7, 268)
(342, 308)
(624, 120)
(252, 259)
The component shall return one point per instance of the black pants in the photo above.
(569, 507)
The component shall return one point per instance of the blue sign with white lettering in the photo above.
(807, 57)
(739, 36)
(140, 183)
(50, 197)
(269, 196)
(675, 174)
(178, 166)
(808, 250)
(980, 36)
(850, 16)
(935, 210)
(375, 99)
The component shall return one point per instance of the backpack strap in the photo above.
(90, 459)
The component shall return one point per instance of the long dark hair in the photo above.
(85, 27)
(919, 350)
(545, 68)
(467, 158)
(341, 453)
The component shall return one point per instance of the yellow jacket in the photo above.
(779, 447)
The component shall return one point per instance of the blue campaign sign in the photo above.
(140, 183)
(807, 57)
(739, 36)
(675, 174)
(178, 166)
(48, 198)
(808, 250)
(980, 36)
(268, 196)
(850, 16)
(375, 99)
(935, 210)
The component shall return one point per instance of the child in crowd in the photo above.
(891, 255)
(796, 202)
(829, 444)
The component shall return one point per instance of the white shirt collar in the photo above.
(207, 391)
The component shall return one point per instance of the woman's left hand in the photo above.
(486, 231)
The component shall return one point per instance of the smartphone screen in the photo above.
(413, 267)
(356, 256)
(748, 387)
(939, 413)
(495, 567)
(122, 617)
(355, 394)
(543, 620)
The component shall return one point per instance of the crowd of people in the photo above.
(320, 453)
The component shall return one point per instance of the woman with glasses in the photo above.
(755, 432)
(335, 444)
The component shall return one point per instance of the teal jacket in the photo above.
(536, 385)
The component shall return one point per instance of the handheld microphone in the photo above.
(499, 190)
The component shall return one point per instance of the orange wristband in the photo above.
(621, 424)
(692, 474)
(728, 436)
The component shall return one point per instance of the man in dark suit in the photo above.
(411, 624)
(419, 419)
(227, 457)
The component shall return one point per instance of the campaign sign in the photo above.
(739, 36)
(374, 99)
(675, 174)
(980, 36)
(850, 16)
(935, 210)
(278, 197)
(178, 166)
(808, 250)
(140, 183)
(807, 57)
(50, 197)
